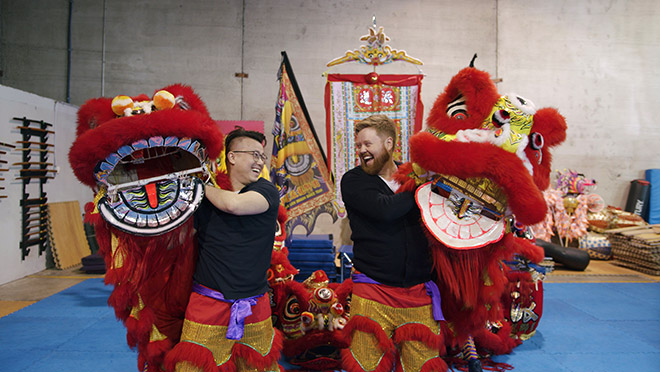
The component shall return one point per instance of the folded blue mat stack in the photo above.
(311, 253)
(653, 211)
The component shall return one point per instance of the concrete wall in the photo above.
(65, 187)
(593, 60)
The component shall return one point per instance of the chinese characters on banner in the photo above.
(351, 98)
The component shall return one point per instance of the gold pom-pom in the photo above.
(164, 100)
(120, 104)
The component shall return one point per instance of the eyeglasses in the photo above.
(256, 155)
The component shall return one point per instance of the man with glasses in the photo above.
(228, 318)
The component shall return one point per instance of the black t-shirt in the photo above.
(235, 251)
(389, 244)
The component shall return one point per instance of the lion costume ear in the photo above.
(186, 98)
(551, 125)
(93, 113)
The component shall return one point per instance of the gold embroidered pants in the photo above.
(383, 335)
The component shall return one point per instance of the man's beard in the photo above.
(377, 164)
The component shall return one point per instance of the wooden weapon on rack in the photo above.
(36, 218)
(34, 212)
(28, 177)
(32, 149)
(34, 201)
(29, 206)
(37, 170)
(37, 232)
(40, 122)
(32, 163)
(36, 225)
(36, 143)
(36, 129)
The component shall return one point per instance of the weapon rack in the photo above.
(3, 167)
(34, 167)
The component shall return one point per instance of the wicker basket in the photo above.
(637, 248)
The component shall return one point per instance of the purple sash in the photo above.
(240, 309)
(431, 289)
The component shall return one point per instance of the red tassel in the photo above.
(434, 365)
(460, 271)
(253, 358)
(194, 354)
(155, 352)
(418, 332)
(351, 365)
(364, 324)
(467, 300)
(496, 343)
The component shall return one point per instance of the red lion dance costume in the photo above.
(479, 169)
(144, 157)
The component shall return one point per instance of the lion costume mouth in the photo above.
(152, 184)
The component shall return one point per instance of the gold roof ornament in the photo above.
(376, 52)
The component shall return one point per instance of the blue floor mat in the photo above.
(604, 327)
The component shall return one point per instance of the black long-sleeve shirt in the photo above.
(389, 244)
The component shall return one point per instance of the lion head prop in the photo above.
(312, 315)
(480, 168)
(146, 157)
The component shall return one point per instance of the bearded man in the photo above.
(394, 317)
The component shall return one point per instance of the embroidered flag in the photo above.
(298, 165)
(352, 98)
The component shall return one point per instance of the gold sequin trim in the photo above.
(242, 366)
(258, 336)
(364, 346)
(118, 258)
(414, 354)
(487, 280)
(135, 310)
(390, 318)
(97, 199)
(186, 367)
(156, 335)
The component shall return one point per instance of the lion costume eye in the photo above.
(291, 309)
(501, 117)
(536, 141)
(457, 109)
